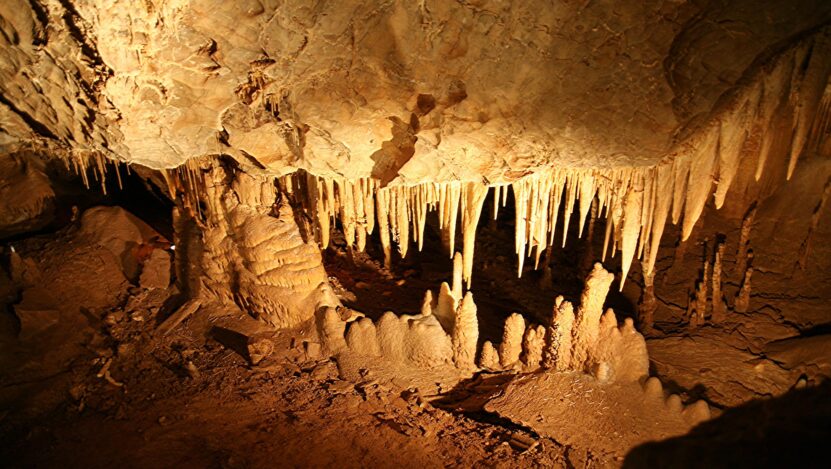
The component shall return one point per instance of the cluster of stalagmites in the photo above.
(447, 332)
(708, 301)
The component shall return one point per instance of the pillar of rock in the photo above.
(465, 333)
(511, 346)
(719, 306)
(532, 346)
(588, 313)
(558, 339)
(742, 304)
(489, 358)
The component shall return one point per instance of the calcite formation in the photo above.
(596, 345)
(349, 97)
(250, 251)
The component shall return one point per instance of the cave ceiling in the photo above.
(400, 91)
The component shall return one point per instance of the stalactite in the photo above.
(474, 197)
(700, 181)
(807, 92)
(631, 227)
(458, 273)
(383, 219)
(647, 303)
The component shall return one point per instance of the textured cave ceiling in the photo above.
(403, 91)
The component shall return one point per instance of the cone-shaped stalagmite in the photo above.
(465, 333)
(719, 306)
(511, 346)
(532, 346)
(558, 339)
(588, 314)
(489, 358)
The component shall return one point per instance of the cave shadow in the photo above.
(792, 430)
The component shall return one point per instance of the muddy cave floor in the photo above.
(104, 388)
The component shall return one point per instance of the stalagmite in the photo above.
(446, 305)
(558, 340)
(532, 345)
(696, 412)
(426, 343)
(391, 337)
(465, 333)
(489, 358)
(699, 310)
(427, 304)
(742, 304)
(331, 329)
(653, 389)
(511, 346)
(719, 306)
(588, 314)
(674, 404)
(362, 338)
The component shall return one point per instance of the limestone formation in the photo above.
(719, 305)
(744, 239)
(489, 357)
(742, 304)
(391, 337)
(511, 346)
(362, 338)
(330, 329)
(251, 257)
(698, 305)
(558, 339)
(427, 345)
(286, 133)
(427, 304)
(446, 305)
(587, 319)
(465, 333)
(648, 302)
(532, 346)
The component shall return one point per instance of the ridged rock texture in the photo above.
(252, 251)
